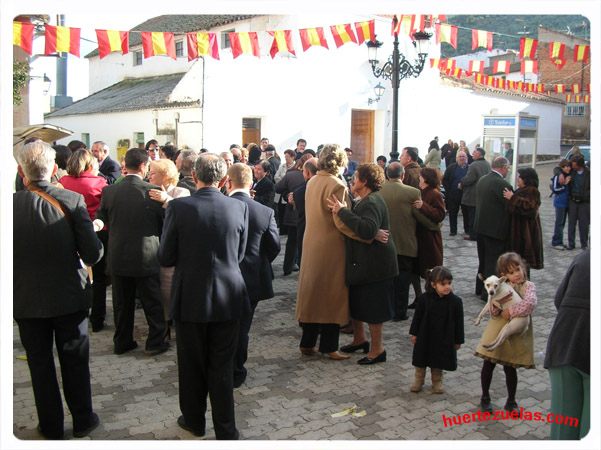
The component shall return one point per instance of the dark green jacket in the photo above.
(367, 263)
(492, 217)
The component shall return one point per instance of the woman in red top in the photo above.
(82, 177)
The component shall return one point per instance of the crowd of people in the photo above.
(190, 237)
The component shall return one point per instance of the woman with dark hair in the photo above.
(254, 154)
(434, 156)
(371, 266)
(526, 236)
(429, 213)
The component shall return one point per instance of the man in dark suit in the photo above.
(108, 168)
(297, 198)
(52, 231)
(204, 237)
(185, 164)
(491, 222)
(263, 188)
(262, 246)
(134, 223)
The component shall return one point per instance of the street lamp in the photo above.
(379, 91)
(397, 68)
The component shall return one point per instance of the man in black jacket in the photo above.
(204, 237)
(52, 232)
(107, 167)
(262, 246)
(135, 223)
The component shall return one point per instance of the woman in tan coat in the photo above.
(322, 304)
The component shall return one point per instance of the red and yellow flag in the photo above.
(586, 98)
(528, 47)
(112, 41)
(447, 64)
(245, 42)
(343, 34)
(540, 88)
(404, 25)
(501, 66)
(560, 88)
(556, 50)
(529, 66)
(61, 39)
(156, 43)
(490, 81)
(501, 83)
(282, 42)
(312, 37)
(479, 78)
(435, 62)
(569, 98)
(423, 21)
(510, 84)
(366, 31)
(23, 36)
(581, 53)
(446, 33)
(576, 88)
(202, 44)
(456, 72)
(476, 66)
(481, 38)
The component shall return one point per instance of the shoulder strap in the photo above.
(50, 199)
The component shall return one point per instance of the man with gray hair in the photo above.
(185, 165)
(476, 170)
(108, 168)
(53, 233)
(491, 222)
(204, 237)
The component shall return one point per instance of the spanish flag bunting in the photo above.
(581, 53)
(560, 88)
(405, 25)
(540, 88)
(577, 98)
(366, 31)
(245, 43)
(156, 43)
(455, 72)
(490, 81)
(312, 37)
(448, 64)
(342, 34)
(519, 86)
(568, 98)
(476, 65)
(576, 88)
(424, 22)
(438, 18)
(501, 67)
(529, 66)
(586, 98)
(501, 83)
(446, 33)
(510, 84)
(23, 36)
(528, 47)
(531, 87)
(556, 50)
(112, 41)
(282, 42)
(435, 62)
(61, 39)
(202, 44)
(481, 38)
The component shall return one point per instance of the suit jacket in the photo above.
(134, 223)
(264, 191)
(109, 169)
(475, 171)
(49, 280)
(292, 180)
(492, 218)
(399, 198)
(262, 246)
(204, 237)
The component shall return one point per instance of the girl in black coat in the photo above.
(436, 330)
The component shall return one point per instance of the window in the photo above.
(85, 138)
(138, 58)
(179, 48)
(225, 38)
(139, 139)
(575, 109)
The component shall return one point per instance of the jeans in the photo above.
(560, 220)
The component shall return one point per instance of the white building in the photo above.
(322, 95)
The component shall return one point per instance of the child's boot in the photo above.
(420, 375)
(437, 381)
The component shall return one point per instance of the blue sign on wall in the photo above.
(527, 123)
(499, 121)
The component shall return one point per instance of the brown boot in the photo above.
(418, 383)
(437, 381)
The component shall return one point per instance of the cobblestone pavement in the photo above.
(289, 396)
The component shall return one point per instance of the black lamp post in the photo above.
(397, 68)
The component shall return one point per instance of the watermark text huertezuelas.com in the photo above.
(500, 414)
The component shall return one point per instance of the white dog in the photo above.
(502, 295)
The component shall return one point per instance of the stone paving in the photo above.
(292, 397)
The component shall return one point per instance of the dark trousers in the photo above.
(98, 312)
(242, 348)
(560, 220)
(453, 205)
(205, 362)
(402, 282)
(300, 234)
(469, 214)
(124, 306)
(70, 333)
(581, 213)
(329, 336)
(489, 250)
(290, 255)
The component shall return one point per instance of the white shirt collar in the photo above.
(244, 191)
(135, 175)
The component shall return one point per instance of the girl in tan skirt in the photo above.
(516, 351)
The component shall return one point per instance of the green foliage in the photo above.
(20, 80)
(510, 26)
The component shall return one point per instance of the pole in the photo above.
(394, 154)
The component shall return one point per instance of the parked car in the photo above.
(586, 152)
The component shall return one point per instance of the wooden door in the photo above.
(362, 135)
(251, 130)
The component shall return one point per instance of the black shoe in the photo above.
(485, 404)
(239, 382)
(94, 424)
(127, 348)
(353, 348)
(452, 234)
(182, 423)
(570, 247)
(511, 405)
(378, 359)
(411, 306)
(287, 273)
(157, 350)
(96, 327)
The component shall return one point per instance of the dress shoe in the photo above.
(337, 356)
(378, 359)
(287, 273)
(511, 405)
(125, 349)
(350, 348)
(295, 268)
(452, 234)
(239, 381)
(182, 424)
(93, 425)
(485, 404)
(157, 350)
(308, 351)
